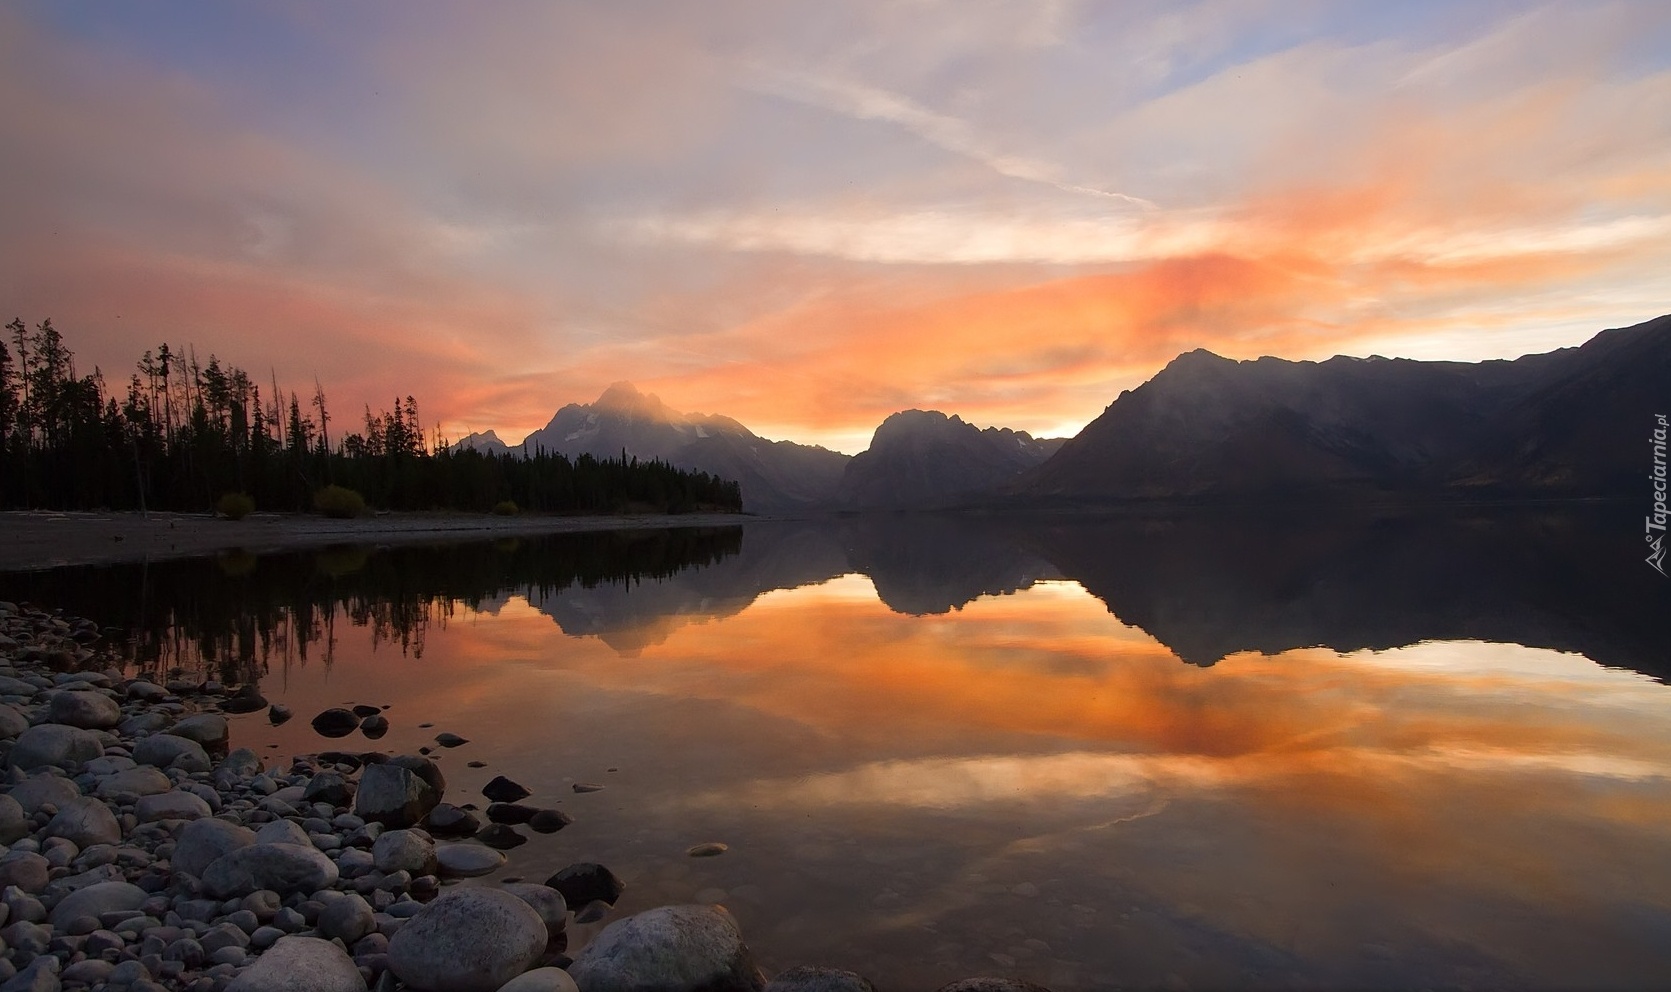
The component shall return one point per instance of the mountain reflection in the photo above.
(1205, 586)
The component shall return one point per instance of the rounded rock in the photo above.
(991, 985)
(810, 979)
(87, 709)
(587, 882)
(33, 793)
(144, 780)
(394, 796)
(301, 964)
(55, 745)
(468, 940)
(84, 822)
(467, 860)
(671, 947)
(96, 900)
(283, 868)
(207, 729)
(347, 919)
(14, 823)
(202, 841)
(397, 850)
(547, 902)
(336, 723)
(171, 806)
(169, 751)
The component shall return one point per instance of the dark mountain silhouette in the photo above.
(486, 442)
(923, 457)
(1563, 424)
(774, 475)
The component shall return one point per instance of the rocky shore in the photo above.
(143, 852)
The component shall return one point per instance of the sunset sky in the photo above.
(811, 215)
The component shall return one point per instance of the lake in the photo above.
(1319, 750)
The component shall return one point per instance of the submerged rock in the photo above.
(503, 790)
(336, 723)
(672, 947)
(587, 882)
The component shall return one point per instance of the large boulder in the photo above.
(394, 796)
(301, 964)
(33, 793)
(96, 900)
(171, 751)
(468, 940)
(669, 949)
(404, 850)
(84, 822)
(207, 729)
(88, 709)
(547, 902)
(141, 781)
(283, 868)
(171, 806)
(53, 744)
(203, 841)
(12, 721)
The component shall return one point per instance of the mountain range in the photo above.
(1568, 423)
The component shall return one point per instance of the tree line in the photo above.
(186, 433)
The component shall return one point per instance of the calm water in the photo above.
(1214, 753)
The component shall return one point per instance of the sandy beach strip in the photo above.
(32, 539)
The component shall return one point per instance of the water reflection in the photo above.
(939, 748)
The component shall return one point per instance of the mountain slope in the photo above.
(923, 457)
(774, 475)
(486, 442)
(1565, 423)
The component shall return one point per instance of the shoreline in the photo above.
(32, 540)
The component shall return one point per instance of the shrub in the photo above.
(505, 508)
(234, 506)
(340, 502)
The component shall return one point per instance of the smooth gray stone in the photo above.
(347, 919)
(283, 868)
(468, 940)
(24, 869)
(398, 850)
(207, 729)
(84, 822)
(545, 900)
(14, 824)
(88, 709)
(169, 751)
(13, 722)
(810, 979)
(202, 841)
(992, 985)
(52, 744)
(671, 947)
(34, 792)
(394, 796)
(143, 780)
(178, 805)
(282, 832)
(541, 980)
(467, 860)
(96, 900)
(301, 964)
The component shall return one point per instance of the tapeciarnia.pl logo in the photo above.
(1654, 523)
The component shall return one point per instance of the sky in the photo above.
(810, 215)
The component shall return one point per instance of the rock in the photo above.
(14, 825)
(203, 841)
(585, 882)
(97, 900)
(301, 964)
(247, 699)
(541, 980)
(404, 850)
(171, 806)
(24, 869)
(142, 781)
(425, 769)
(51, 744)
(447, 820)
(549, 821)
(546, 901)
(168, 751)
(587, 787)
(500, 836)
(283, 832)
(450, 740)
(336, 723)
(207, 729)
(709, 850)
(471, 939)
(467, 860)
(992, 985)
(12, 722)
(330, 788)
(84, 822)
(806, 979)
(278, 714)
(374, 727)
(363, 710)
(35, 792)
(40, 976)
(238, 767)
(283, 868)
(672, 948)
(88, 709)
(503, 790)
(510, 813)
(393, 796)
(347, 919)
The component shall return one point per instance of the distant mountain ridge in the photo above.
(1568, 423)
(486, 442)
(923, 457)
(775, 476)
